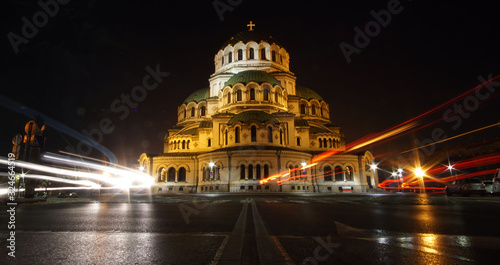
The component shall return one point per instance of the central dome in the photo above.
(250, 35)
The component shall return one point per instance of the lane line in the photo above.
(269, 253)
(232, 254)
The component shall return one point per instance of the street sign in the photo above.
(30, 127)
(17, 139)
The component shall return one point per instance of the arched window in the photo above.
(273, 56)
(242, 172)
(209, 173)
(171, 174)
(324, 143)
(313, 110)
(238, 95)
(192, 112)
(327, 174)
(187, 144)
(226, 137)
(276, 95)
(266, 94)
(237, 134)
(204, 174)
(348, 173)
(302, 109)
(216, 172)
(202, 111)
(281, 136)
(240, 54)
(339, 176)
(228, 97)
(223, 60)
(183, 144)
(181, 175)
(161, 175)
(320, 143)
(298, 141)
(270, 134)
(209, 142)
(230, 57)
(321, 111)
(257, 172)
(184, 113)
(266, 171)
(292, 172)
(253, 134)
(263, 54)
(252, 94)
(251, 53)
(250, 172)
(298, 172)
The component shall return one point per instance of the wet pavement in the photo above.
(383, 228)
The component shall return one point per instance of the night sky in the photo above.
(89, 53)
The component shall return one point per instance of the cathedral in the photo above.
(255, 130)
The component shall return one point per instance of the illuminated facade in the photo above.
(254, 122)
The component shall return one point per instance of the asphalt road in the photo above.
(256, 229)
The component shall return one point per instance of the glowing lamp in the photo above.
(419, 172)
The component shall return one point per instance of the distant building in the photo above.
(254, 122)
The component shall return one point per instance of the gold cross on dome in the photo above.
(251, 25)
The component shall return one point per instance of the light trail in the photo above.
(133, 175)
(123, 178)
(56, 179)
(451, 138)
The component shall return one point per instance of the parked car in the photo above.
(62, 195)
(67, 195)
(466, 187)
(496, 185)
(488, 186)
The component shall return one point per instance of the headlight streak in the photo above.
(116, 176)
(62, 180)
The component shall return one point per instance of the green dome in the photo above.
(250, 35)
(248, 116)
(246, 77)
(307, 93)
(198, 95)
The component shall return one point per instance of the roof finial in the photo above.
(251, 25)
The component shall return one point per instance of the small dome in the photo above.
(250, 35)
(307, 93)
(248, 116)
(198, 95)
(246, 77)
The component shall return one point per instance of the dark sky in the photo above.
(89, 53)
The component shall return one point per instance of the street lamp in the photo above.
(211, 164)
(141, 168)
(420, 173)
